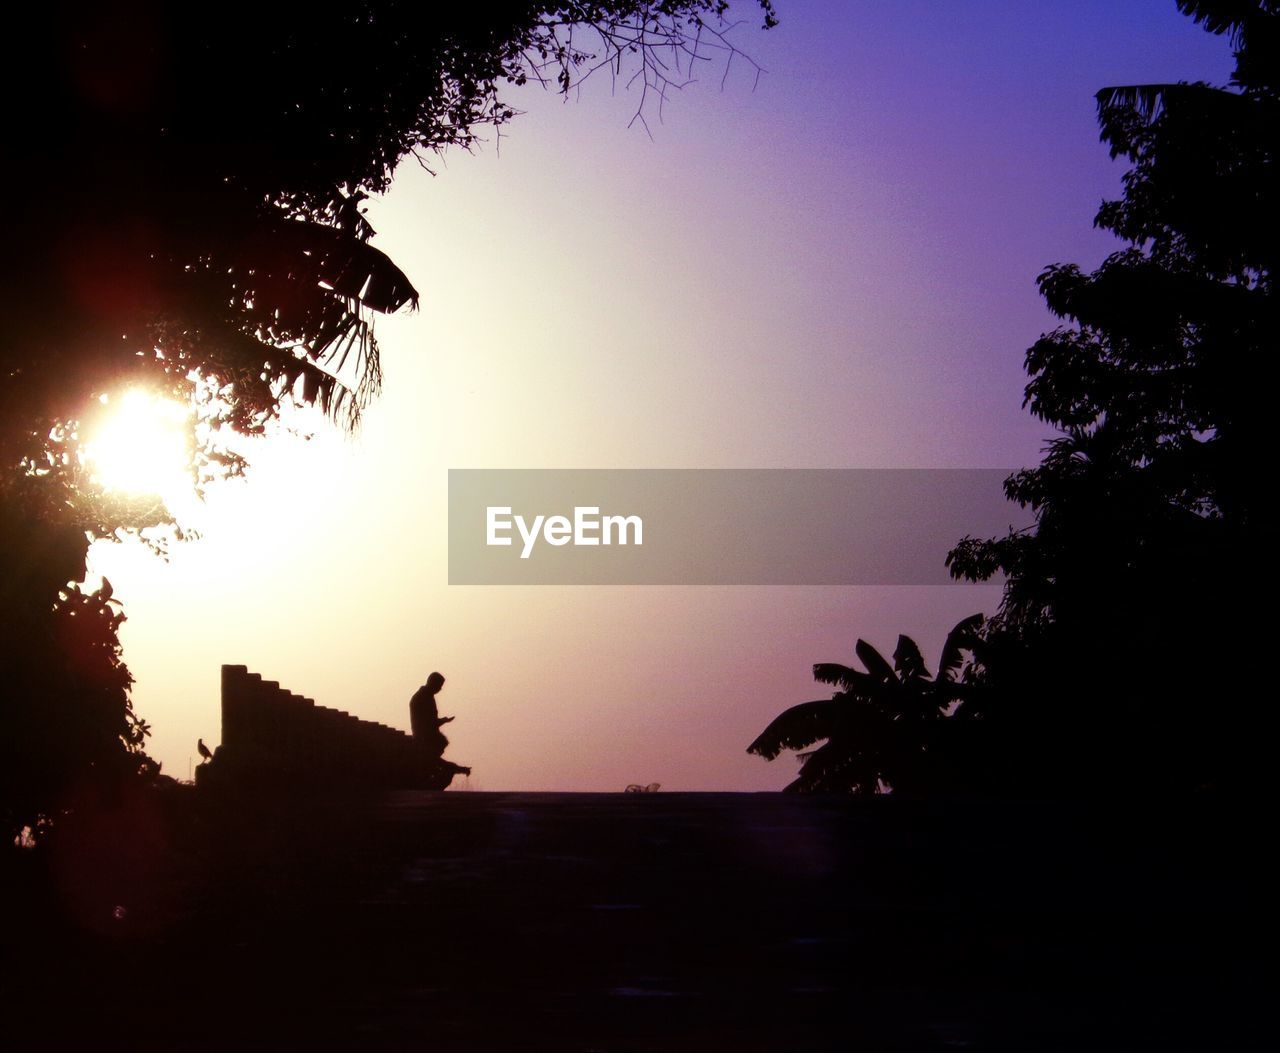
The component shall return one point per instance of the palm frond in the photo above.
(796, 728)
(351, 267)
(1220, 16)
(959, 640)
(1149, 101)
(842, 676)
(874, 661)
(908, 660)
(1146, 100)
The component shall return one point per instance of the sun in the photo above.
(138, 445)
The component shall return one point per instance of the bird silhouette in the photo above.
(204, 750)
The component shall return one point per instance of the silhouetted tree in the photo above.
(1121, 655)
(885, 724)
(69, 729)
(183, 195)
(1149, 506)
(205, 171)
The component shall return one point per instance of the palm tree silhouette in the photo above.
(880, 724)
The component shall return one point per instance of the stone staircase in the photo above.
(274, 737)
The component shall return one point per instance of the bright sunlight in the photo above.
(139, 445)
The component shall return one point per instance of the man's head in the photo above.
(434, 682)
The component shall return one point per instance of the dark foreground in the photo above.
(610, 922)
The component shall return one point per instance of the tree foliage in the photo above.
(184, 191)
(69, 729)
(200, 177)
(1121, 655)
(885, 724)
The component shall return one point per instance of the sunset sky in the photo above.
(836, 269)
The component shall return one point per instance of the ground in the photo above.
(636, 922)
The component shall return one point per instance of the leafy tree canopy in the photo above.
(1122, 654)
(184, 188)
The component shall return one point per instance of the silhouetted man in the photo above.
(425, 719)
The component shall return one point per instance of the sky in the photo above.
(832, 266)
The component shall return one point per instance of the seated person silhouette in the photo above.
(425, 722)
(424, 718)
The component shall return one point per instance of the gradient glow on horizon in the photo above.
(835, 270)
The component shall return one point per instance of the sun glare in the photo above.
(139, 446)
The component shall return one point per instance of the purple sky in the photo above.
(835, 270)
